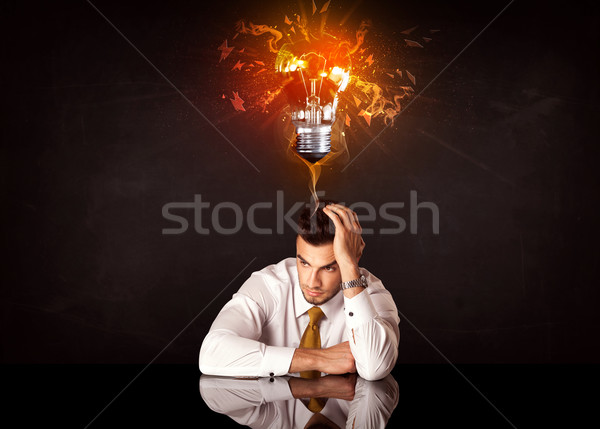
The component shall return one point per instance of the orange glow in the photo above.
(366, 116)
(314, 63)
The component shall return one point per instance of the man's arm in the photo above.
(372, 324)
(250, 402)
(330, 386)
(231, 347)
(337, 359)
(373, 404)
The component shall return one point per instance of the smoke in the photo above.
(389, 107)
(257, 30)
(362, 31)
(286, 134)
(351, 51)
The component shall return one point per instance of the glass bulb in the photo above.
(314, 76)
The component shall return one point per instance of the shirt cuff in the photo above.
(359, 309)
(276, 361)
(275, 389)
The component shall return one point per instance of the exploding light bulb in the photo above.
(314, 75)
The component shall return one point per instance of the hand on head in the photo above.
(348, 244)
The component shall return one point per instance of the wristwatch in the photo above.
(361, 281)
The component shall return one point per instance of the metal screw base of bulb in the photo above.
(313, 143)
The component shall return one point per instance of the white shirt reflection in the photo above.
(280, 402)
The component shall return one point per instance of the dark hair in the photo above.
(315, 227)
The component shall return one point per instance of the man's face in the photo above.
(318, 271)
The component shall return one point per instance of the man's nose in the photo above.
(314, 279)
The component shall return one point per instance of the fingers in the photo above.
(348, 217)
(333, 216)
(345, 214)
(348, 230)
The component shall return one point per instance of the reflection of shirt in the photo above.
(257, 331)
(268, 403)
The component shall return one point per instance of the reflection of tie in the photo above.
(311, 339)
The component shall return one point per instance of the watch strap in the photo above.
(361, 281)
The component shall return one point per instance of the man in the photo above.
(318, 312)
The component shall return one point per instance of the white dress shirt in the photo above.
(258, 330)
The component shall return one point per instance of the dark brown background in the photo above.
(96, 142)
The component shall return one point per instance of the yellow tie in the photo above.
(311, 339)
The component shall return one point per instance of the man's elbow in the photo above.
(379, 368)
(206, 360)
(205, 366)
(373, 374)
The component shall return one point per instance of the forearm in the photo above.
(306, 360)
(224, 353)
(375, 349)
(307, 388)
(245, 401)
(350, 271)
(330, 386)
(336, 359)
(373, 338)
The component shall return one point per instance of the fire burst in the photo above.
(315, 83)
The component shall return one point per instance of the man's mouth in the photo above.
(313, 293)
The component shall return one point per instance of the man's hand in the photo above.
(348, 244)
(330, 386)
(337, 359)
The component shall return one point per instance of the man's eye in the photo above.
(330, 269)
(304, 264)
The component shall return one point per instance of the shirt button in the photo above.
(351, 314)
(271, 374)
(271, 380)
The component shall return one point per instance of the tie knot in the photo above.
(315, 315)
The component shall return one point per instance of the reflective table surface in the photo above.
(489, 396)
(285, 402)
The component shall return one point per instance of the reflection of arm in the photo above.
(232, 348)
(250, 402)
(330, 386)
(373, 404)
(372, 330)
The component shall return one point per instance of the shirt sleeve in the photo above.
(231, 347)
(372, 329)
(373, 403)
(253, 402)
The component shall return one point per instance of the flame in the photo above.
(359, 70)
